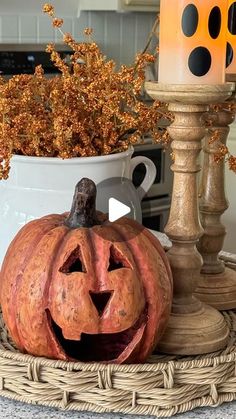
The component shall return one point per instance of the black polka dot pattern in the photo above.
(190, 20)
(214, 23)
(199, 61)
(232, 19)
(229, 55)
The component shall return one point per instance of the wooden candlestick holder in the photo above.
(217, 284)
(194, 328)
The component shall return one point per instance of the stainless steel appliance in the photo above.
(156, 205)
(22, 58)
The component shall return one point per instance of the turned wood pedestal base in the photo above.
(217, 284)
(194, 328)
(218, 290)
(194, 333)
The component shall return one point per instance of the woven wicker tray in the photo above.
(162, 387)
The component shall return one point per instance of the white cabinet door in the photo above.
(120, 5)
(144, 3)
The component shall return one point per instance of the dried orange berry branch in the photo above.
(91, 108)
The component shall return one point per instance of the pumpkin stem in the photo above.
(83, 210)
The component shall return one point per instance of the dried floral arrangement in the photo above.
(89, 109)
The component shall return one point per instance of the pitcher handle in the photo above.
(150, 175)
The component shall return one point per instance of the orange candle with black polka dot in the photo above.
(231, 39)
(192, 41)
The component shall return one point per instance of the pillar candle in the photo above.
(192, 41)
(231, 39)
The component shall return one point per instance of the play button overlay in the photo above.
(118, 198)
(117, 210)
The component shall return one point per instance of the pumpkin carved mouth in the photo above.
(72, 294)
(104, 347)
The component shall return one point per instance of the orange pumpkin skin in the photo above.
(99, 293)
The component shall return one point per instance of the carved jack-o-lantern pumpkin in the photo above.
(77, 287)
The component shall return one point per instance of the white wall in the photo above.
(229, 218)
(30, 7)
(120, 35)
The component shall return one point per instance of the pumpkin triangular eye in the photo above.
(115, 260)
(73, 263)
(100, 300)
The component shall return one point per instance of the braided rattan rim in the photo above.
(162, 387)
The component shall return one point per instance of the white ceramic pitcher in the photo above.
(40, 185)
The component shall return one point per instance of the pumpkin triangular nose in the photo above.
(100, 300)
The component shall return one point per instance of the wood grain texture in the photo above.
(217, 285)
(194, 328)
(190, 93)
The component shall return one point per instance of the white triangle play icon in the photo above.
(117, 209)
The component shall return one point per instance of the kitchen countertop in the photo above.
(10, 409)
